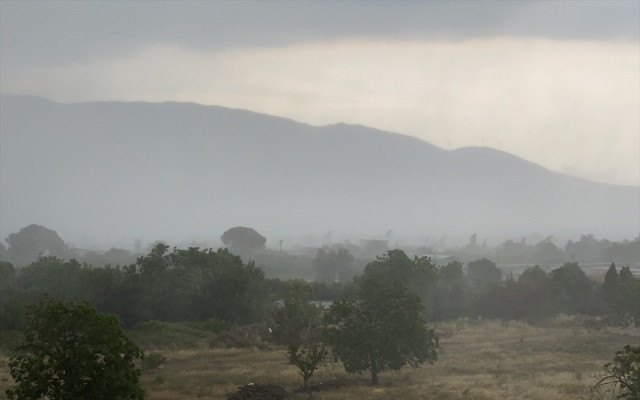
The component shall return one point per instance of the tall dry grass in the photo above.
(480, 360)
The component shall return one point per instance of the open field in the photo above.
(479, 360)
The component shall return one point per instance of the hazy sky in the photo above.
(555, 82)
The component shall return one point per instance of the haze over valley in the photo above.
(104, 173)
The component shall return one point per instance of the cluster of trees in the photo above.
(196, 285)
(177, 285)
(588, 249)
(71, 351)
(380, 328)
(451, 291)
(378, 321)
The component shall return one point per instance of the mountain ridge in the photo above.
(239, 167)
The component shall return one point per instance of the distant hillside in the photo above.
(183, 170)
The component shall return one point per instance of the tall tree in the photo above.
(241, 239)
(419, 274)
(71, 352)
(33, 241)
(483, 272)
(572, 290)
(611, 288)
(381, 330)
(297, 324)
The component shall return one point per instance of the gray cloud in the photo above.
(46, 33)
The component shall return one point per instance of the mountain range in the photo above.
(112, 171)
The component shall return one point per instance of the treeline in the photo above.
(479, 290)
(203, 284)
(177, 285)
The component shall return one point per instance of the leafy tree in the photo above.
(419, 275)
(72, 352)
(59, 278)
(4, 253)
(572, 290)
(297, 324)
(626, 253)
(611, 288)
(333, 265)
(241, 239)
(515, 252)
(629, 295)
(535, 288)
(33, 241)
(622, 375)
(452, 299)
(198, 284)
(7, 274)
(546, 252)
(381, 330)
(483, 272)
(12, 307)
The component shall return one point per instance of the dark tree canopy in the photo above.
(333, 265)
(622, 376)
(33, 241)
(419, 274)
(242, 239)
(572, 290)
(72, 352)
(483, 272)
(381, 330)
(4, 253)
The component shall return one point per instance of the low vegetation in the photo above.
(478, 359)
(211, 327)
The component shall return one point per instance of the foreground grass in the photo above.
(478, 360)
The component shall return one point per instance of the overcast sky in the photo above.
(555, 82)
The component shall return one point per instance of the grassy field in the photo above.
(478, 360)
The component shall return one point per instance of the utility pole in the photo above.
(280, 244)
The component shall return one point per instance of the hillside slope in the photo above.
(182, 170)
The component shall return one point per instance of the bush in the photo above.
(153, 361)
(246, 336)
(622, 376)
(259, 392)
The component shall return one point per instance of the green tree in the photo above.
(71, 352)
(333, 265)
(198, 284)
(419, 274)
(622, 375)
(535, 288)
(547, 253)
(33, 241)
(381, 330)
(297, 325)
(12, 306)
(59, 278)
(241, 239)
(611, 288)
(452, 299)
(483, 272)
(572, 290)
(629, 295)
(4, 253)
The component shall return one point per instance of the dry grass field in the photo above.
(479, 360)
